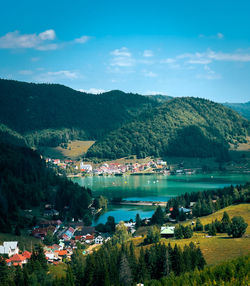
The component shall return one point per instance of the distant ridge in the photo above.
(242, 108)
(191, 127)
(121, 123)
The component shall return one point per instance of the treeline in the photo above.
(190, 127)
(38, 107)
(229, 273)
(54, 137)
(209, 201)
(26, 182)
(113, 265)
(235, 227)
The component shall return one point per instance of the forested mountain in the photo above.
(242, 108)
(191, 127)
(47, 109)
(123, 124)
(25, 182)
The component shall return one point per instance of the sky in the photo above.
(179, 48)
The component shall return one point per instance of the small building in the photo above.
(167, 231)
(99, 240)
(186, 211)
(9, 247)
(18, 259)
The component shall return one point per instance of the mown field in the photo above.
(75, 150)
(220, 247)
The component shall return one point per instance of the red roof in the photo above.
(89, 237)
(61, 252)
(17, 258)
(78, 237)
(26, 254)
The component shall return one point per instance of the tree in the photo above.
(110, 224)
(153, 235)
(137, 221)
(175, 211)
(187, 232)
(158, 216)
(125, 275)
(212, 230)
(238, 227)
(198, 225)
(121, 233)
(178, 232)
(225, 223)
(182, 215)
(48, 239)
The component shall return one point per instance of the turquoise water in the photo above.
(152, 188)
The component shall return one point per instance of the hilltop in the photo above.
(190, 127)
(48, 114)
(121, 124)
(242, 108)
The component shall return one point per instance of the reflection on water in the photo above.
(152, 188)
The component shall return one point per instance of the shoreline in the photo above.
(141, 203)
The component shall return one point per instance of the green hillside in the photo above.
(26, 183)
(190, 127)
(242, 108)
(52, 113)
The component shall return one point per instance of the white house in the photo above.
(86, 167)
(99, 240)
(9, 247)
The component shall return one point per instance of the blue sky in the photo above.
(180, 48)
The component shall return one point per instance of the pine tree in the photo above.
(125, 275)
(198, 225)
(158, 216)
(225, 223)
(137, 221)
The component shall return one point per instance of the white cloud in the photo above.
(41, 42)
(152, 92)
(148, 53)
(209, 74)
(57, 75)
(123, 52)
(209, 56)
(82, 39)
(199, 61)
(93, 90)
(122, 58)
(149, 73)
(217, 36)
(47, 35)
(15, 40)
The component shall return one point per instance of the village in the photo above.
(73, 168)
(60, 239)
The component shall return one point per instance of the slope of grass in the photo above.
(218, 248)
(75, 150)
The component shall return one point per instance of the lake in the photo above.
(152, 188)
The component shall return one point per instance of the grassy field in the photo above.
(220, 247)
(242, 146)
(74, 151)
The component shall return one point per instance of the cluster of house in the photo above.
(108, 169)
(61, 164)
(117, 168)
(10, 249)
(68, 236)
